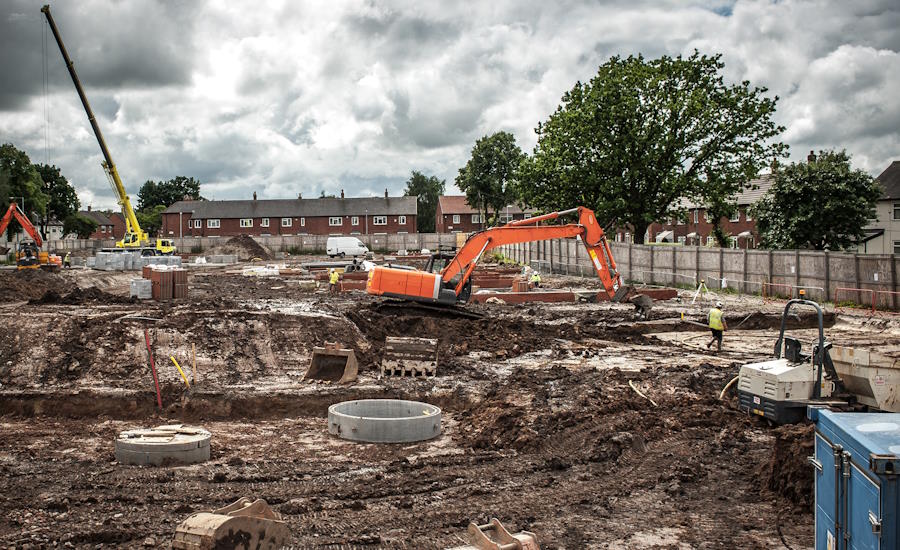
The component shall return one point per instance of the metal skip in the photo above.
(332, 363)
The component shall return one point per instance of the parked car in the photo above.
(345, 246)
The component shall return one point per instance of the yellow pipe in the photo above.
(177, 366)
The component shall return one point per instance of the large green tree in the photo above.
(151, 218)
(820, 204)
(82, 226)
(62, 200)
(644, 134)
(21, 181)
(166, 193)
(488, 178)
(427, 189)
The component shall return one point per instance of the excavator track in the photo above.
(411, 307)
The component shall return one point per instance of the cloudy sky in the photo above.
(298, 97)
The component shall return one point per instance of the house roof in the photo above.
(99, 217)
(456, 204)
(288, 208)
(746, 197)
(890, 181)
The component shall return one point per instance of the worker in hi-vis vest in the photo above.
(717, 325)
(333, 279)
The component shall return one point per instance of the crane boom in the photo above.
(134, 235)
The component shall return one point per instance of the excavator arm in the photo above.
(15, 212)
(449, 285)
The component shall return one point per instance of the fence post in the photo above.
(771, 266)
(856, 262)
(828, 277)
(630, 265)
(674, 264)
(721, 265)
(744, 284)
(697, 266)
(551, 257)
(652, 254)
(893, 282)
(797, 263)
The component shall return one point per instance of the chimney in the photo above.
(254, 195)
(299, 196)
(89, 208)
(342, 193)
(774, 166)
(385, 192)
(811, 158)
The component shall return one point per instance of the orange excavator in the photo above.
(453, 283)
(29, 255)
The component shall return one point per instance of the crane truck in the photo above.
(453, 283)
(29, 255)
(135, 239)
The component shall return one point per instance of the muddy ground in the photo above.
(541, 426)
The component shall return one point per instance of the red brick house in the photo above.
(323, 216)
(118, 221)
(454, 215)
(105, 226)
(696, 229)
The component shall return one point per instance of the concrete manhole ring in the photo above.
(384, 420)
(173, 443)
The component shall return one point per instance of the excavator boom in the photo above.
(15, 212)
(452, 283)
(29, 255)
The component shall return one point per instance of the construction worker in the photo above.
(333, 279)
(535, 279)
(67, 261)
(717, 325)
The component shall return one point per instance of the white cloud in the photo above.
(289, 98)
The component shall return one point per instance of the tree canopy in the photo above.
(81, 226)
(821, 204)
(20, 181)
(427, 189)
(167, 193)
(643, 135)
(62, 200)
(488, 178)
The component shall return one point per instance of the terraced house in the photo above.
(321, 216)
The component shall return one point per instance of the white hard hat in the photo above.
(718, 304)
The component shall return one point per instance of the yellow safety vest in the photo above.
(334, 277)
(715, 319)
(535, 278)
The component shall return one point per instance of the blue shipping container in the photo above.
(857, 464)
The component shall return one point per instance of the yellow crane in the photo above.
(135, 238)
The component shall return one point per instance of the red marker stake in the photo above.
(153, 368)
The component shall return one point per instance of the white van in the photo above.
(345, 246)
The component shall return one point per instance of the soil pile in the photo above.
(92, 295)
(30, 284)
(244, 247)
(788, 473)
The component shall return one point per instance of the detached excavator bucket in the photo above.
(333, 364)
(409, 357)
(243, 524)
(499, 539)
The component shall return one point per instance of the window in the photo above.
(246, 222)
(747, 215)
(897, 210)
(213, 223)
(379, 220)
(401, 220)
(354, 220)
(476, 218)
(681, 240)
(732, 242)
(506, 218)
(696, 215)
(264, 222)
(896, 247)
(335, 221)
(455, 218)
(736, 217)
(198, 224)
(302, 222)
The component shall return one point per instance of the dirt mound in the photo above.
(788, 473)
(79, 296)
(244, 247)
(802, 318)
(30, 284)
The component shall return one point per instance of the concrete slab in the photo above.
(174, 443)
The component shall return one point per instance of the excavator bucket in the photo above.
(499, 539)
(409, 357)
(244, 524)
(333, 364)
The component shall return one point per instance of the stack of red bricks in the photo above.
(167, 282)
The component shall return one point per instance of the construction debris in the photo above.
(413, 357)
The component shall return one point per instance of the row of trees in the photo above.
(644, 137)
(42, 191)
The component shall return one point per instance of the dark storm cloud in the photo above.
(397, 39)
(138, 44)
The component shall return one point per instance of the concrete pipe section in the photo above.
(172, 444)
(384, 420)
